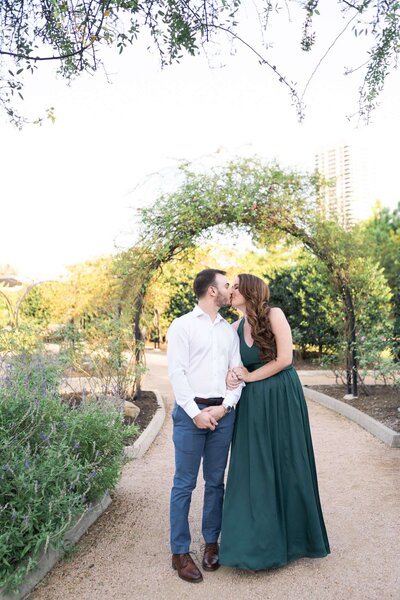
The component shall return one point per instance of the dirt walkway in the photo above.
(125, 555)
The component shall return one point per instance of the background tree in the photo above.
(26, 301)
(305, 293)
(71, 32)
(90, 291)
(382, 235)
(171, 291)
(36, 307)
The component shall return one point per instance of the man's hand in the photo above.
(216, 411)
(205, 421)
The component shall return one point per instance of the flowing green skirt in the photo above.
(272, 512)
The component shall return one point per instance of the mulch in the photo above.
(148, 406)
(382, 403)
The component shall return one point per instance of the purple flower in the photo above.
(43, 436)
(27, 463)
(77, 444)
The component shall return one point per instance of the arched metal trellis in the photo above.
(265, 201)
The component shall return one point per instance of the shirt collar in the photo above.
(197, 312)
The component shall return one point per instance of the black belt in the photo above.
(209, 401)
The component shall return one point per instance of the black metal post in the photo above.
(352, 341)
(138, 339)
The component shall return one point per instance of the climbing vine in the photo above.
(264, 200)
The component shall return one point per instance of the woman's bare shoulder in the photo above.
(275, 310)
(276, 314)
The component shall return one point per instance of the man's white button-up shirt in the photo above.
(200, 352)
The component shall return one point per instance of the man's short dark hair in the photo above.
(204, 279)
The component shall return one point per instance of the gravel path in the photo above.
(125, 555)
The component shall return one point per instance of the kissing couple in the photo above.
(235, 387)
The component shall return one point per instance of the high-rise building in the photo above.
(350, 198)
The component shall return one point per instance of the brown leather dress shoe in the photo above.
(186, 567)
(211, 557)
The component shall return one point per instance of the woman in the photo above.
(272, 512)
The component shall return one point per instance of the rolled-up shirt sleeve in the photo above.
(232, 396)
(178, 366)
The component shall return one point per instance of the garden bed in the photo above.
(48, 558)
(56, 460)
(149, 403)
(382, 404)
(148, 406)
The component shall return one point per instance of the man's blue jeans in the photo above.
(191, 445)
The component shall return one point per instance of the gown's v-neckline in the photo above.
(244, 336)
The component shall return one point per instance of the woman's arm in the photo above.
(284, 349)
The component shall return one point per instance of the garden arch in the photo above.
(13, 312)
(264, 200)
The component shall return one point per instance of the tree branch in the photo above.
(81, 50)
(326, 54)
(264, 61)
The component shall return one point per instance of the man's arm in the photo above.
(232, 396)
(178, 366)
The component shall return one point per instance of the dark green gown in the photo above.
(272, 512)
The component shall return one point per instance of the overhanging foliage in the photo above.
(71, 33)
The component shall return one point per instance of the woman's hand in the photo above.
(232, 382)
(242, 374)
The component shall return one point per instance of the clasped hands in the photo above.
(236, 376)
(208, 417)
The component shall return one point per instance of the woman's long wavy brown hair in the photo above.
(256, 294)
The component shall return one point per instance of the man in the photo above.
(202, 346)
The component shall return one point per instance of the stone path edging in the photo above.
(147, 437)
(385, 434)
(48, 559)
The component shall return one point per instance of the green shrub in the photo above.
(376, 359)
(27, 338)
(55, 462)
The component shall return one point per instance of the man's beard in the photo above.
(221, 301)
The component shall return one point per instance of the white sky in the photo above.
(68, 190)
